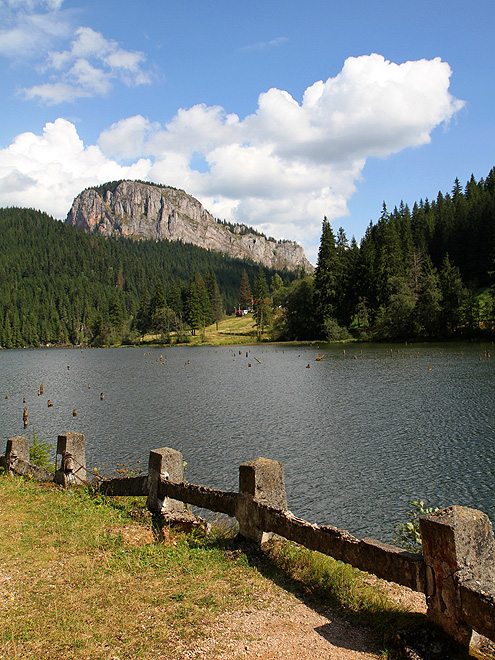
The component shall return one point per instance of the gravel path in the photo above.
(286, 628)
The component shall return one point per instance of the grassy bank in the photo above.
(81, 578)
(232, 330)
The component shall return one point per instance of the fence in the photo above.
(456, 571)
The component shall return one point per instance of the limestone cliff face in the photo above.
(151, 212)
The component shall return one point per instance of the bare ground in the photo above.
(285, 627)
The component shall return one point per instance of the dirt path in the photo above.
(286, 628)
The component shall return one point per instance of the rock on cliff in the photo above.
(147, 211)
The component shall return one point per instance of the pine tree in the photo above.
(157, 307)
(325, 286)
(245, 294)
(300, 323)
(429, 302)
(193, 307)
(216, 303)
(276, 282)
(343, 303)
(206, 313)
(261, 304)
(115, 313)
(143, 317)
(452, 295)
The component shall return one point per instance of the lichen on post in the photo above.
(164, 463)
(458, 547)
(261, 481)
(72, 447)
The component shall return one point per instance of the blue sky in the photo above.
(270, 113)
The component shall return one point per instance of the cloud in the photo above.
(280, 169)
(27, 34)
(47, 171)
(31, 5)
(90, 67)
(263, 45)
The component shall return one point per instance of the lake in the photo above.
(359, 433)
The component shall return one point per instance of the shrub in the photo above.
(407, 534)
(39, 452)
(335, 332)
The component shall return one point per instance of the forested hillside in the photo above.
(421, 274)
(61, 286)
(425, 273)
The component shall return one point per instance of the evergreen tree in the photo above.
(325, 284)
(397, 319)
(452, 295)
(429, 303)
(276, 282)
(216, 303)
(261, 304)
(343, 301)
(245, 294)
(115, 313)
(193, 307)
(157, 307)
(206, 312)
(298, 303)
(143, 316)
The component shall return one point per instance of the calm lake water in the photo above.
(359, 434)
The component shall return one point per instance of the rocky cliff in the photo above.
(146, 211)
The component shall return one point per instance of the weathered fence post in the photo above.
(17, 449)
(164, 463)
(71, 446)
(458, 546)
(260, 481)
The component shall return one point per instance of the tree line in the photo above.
(426, 273)
(62, 286)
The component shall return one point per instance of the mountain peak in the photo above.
(147, 211)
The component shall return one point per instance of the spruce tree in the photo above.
(143, 318)
(115, 313)
(325, 286)
(216, 302)
(245, 294)
(193, 308)
(453, 293)
(206, 313)
(261, 304)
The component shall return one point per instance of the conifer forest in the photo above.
(426, 273)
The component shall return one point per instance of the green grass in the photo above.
(79, 579)
(232, 331)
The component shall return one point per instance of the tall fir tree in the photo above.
(193, 307)
(245, 293)
(325, 286)
(262, 303)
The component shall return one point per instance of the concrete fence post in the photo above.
(17, 449)
(260, 481)
(458, 545)
(72, 447)
(164, 463)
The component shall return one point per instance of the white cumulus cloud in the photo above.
(47, 171)
(280, 169)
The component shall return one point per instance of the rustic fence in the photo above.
(456, 571)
